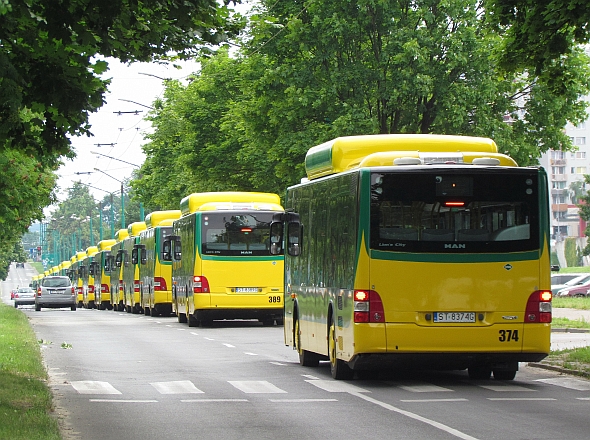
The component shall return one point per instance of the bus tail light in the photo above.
(80, 290)
(104, 288)
(90, 289)
(538, 307)
(200, 285)
(368, 307)
(121, 286)
(136, 286)
(160, 284)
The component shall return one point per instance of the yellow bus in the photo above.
(88, 295)
(64, 267)
(80, 271)
(116, 270)
(221, 267)
(100, 271)
(131, 269)
(423, 251)
(155, 274)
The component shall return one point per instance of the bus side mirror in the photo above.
(294, 236)
(166, 254)
(143, 254)
(119, 259)
(177, 248)
(134, 256)
(276, 238)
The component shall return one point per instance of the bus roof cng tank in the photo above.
(105, 245)
(230, 200)
(121, 235)
(135, 228)
(348, 152)
(80, 255)
(91, 250)
(156, 218)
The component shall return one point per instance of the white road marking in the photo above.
(123, 401)
(94, 387)
(505, 387)
(419, 387)
(583, 398)
(309, 376)
(256, 387)
(568, 382)
(278, 363)
(181, 329)
(213, 400)
(333, 386)
(250, 354)
(417, 417)
(168, 325)
(229, 346)
(301, 400)
(176, 387)
(193, 333)
(433, 400)
(209, 339)
(516, 399)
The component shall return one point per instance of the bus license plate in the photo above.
(246, 289)
(454, 317)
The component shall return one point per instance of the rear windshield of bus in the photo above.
(235, 233)
(474, 211)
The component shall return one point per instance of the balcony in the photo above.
(558, 161)
(559, 207)
(559, 177)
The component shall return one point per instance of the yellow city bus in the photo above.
(88, 295)
(155, 274)
(130, 269)
(221, 267)
(64, 267)
(80, 272)
(422, 251)
(100, 270)
(116, 271)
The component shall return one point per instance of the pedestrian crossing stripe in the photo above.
(94, 387)
(176, 387)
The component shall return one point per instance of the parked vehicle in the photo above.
(575, 291)
(579, 280)
(24, 296)
(56, 292)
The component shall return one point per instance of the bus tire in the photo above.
(154, 312)
(339, 369)
(504, 374)
(182, 318)
(192, 321)
(479, 372)
(37, 307)
(306, 358)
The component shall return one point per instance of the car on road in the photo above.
(20, 265)
(56, 292)
(575, 291)
(558, 284)
(24, 296)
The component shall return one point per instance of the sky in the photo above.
(118, 137)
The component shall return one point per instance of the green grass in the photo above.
(571, 303)
(569, 323)
(580, 269)
(25, 398)
(38, 266)
(577, 360)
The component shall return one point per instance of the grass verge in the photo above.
(569, 323)
(571, 303)
(577, 360)
(25, 398)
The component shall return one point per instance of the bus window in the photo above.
(470, 212)
(235, 233)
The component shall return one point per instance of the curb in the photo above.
(559, 369)
(570, 330)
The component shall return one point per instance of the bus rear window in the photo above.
(475, 211)
(235, 233)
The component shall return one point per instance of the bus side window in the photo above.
(276, 237)
(294, 235)
(166, 255)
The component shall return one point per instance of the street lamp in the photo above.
(122, 196)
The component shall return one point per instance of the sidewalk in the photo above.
(572, 338)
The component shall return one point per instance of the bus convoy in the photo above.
(396, 251)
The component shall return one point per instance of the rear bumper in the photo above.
(238, 313)
(439, 361)
(56, 302)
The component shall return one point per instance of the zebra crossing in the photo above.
(184, 388)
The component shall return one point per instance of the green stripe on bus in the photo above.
(241, 258)
(455, 258)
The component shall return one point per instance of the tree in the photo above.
(540, 32)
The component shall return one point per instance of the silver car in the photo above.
(56, 292)
(24, 296)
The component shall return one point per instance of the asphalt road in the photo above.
(122, 376)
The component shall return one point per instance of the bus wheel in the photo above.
(338, 367)
(192, 321)
(504, 374)
(268, 322)
(182, 318)
(154, 312)
(479, 372)
(306, 358)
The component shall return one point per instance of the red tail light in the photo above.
(200, 285)
(80, 290)
(136, 286)
(160, 284)
(368, 307)
(73, 291)
(90, 289)
(120, 285)
(538, 307)
(39, 291)
(104, 288)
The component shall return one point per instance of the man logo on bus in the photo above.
(454, 246)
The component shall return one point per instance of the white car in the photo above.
(577, 281)
(24, 296)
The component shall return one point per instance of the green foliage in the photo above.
(309, 73)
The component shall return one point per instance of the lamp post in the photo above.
(122, 196)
